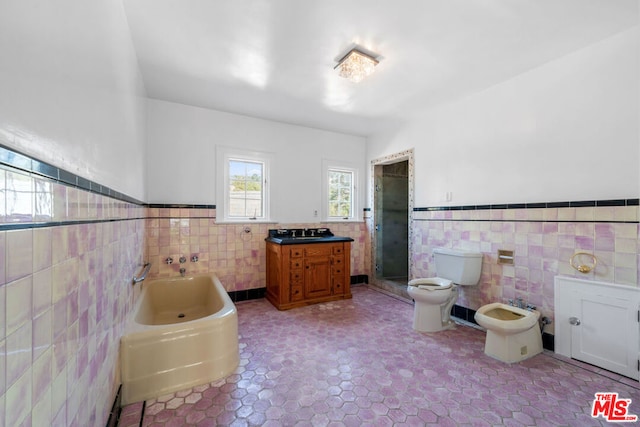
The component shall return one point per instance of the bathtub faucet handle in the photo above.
(194, 258)
(531, 307)
(169, 260)
(183, 260)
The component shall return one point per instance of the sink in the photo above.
(304, 238)
(294, 236)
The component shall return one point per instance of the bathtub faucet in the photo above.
(183, 271)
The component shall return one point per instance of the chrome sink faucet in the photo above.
(520, 302)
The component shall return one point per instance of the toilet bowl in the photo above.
(513, 333)
(434, 298)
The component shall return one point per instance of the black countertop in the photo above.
(298, 236)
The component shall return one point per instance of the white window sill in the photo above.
(245, 221)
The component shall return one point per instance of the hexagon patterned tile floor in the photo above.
(358, 362)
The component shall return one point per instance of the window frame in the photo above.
(226, 154)
(332, 165)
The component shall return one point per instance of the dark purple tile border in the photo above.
(538, 205)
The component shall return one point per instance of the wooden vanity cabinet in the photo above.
(303, 274)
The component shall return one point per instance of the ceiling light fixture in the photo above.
(356, 65)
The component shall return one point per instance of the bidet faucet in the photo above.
(520, 302)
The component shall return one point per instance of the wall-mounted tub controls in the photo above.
(505, 256)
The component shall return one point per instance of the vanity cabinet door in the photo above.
(317, 276)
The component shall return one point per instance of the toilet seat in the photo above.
(432, 284)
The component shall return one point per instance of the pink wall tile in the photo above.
(19, 197)
(18, 303)
(43, 200)
(19, 254)
(19, 353)
(3, 248)
(3, 372)
(41, 249)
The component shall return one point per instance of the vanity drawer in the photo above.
(296, 276)
(296, 292)
(317, 250)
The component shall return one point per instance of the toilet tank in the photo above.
(461, 267)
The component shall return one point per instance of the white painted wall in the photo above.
(71, 92)
(567, 130)
(182, 148)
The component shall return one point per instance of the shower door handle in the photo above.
(574, 321)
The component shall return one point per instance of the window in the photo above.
(246, 189)
(242, 185)
(340, 192)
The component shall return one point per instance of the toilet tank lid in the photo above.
(457, 252)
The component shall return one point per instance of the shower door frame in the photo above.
(407, 155)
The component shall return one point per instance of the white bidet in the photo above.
(513, 333)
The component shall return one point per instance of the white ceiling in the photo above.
(274, 59)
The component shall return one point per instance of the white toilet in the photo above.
(435, 296)
(513, 334)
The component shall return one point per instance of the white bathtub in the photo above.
(184, 333)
